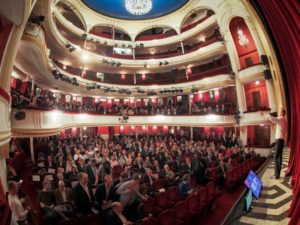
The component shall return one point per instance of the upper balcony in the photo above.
(109, 34)
(214, 68)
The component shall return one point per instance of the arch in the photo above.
(155, 27)
(244, 43)
(75, 11)
(192, 12)
(117, 28)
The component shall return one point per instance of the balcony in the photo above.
(44, 123)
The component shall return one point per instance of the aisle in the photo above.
(275, 200)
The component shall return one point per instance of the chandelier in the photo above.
(138, 7)
(243, 40)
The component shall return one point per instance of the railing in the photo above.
(42, 122)
(218, 67)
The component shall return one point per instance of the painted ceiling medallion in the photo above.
(138, 7)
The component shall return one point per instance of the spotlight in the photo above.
(67, 45)
(37, 19)
(118, 64)
(166, 63)
(141, 45)
(84, 36)
(160, 63)
(72, 49)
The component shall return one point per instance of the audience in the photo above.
(122, 172)
(47, 100)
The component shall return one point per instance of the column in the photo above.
(192, 133)
(261, 51)
(255, 36)
(240, 93)
(243, 135)
(235, 68)
(32, 149)
(134, 78)
(182, 47)
(133, 53)
(271, 95)
(113, 33)
(81, 133)
(32, 84)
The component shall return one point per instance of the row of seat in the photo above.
(171, 208)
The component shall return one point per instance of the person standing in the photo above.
(19, 213)
(281, 129)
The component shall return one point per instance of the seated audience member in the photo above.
(165, 170)
(170, 180)
(115, 215)
(19, 213)
(83, 195)
(63, 194)
(185, 187)
(46, 197)
(104, 193)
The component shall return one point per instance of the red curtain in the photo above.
(283, 19)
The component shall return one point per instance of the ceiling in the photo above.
(116, 8)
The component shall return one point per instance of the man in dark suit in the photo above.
(83, 195)
(115, 215)
(63, 194)
(105, 194)
(91, 171)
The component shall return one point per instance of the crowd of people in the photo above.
(48, 101)
(93, 175)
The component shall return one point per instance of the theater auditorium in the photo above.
(149, 112)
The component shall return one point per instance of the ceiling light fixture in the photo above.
(138, 7)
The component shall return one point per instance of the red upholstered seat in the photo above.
(174, 195)
(162, 201)
(195, 208)
(149, 221)
(150, 207)
(182, 213)
(158, 184)
(167, 218)
(70, 222)
(212, 193)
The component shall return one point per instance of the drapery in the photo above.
(283, 19)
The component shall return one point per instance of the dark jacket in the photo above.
(59, 198)
(112, 218)
(100, 194)
(82, 201)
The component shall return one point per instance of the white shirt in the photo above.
(17, 209)
(281, 127)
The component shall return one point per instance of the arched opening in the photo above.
(244, 43)
(110, 32)
(71, 14)
(194, 18)
(156, 33)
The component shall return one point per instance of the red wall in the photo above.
(253, 87)
(248, 51)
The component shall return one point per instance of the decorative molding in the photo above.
(4, 95)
